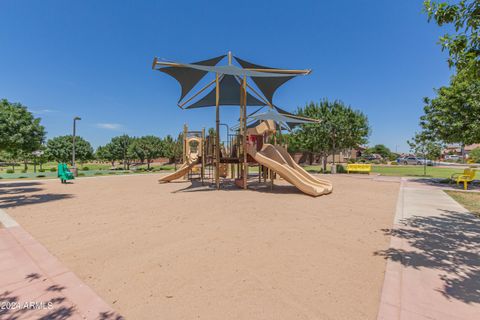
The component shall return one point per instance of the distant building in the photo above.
(456, 150)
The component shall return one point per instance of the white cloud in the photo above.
(109, 126)
(42, 111)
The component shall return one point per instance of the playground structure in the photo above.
(249, 145)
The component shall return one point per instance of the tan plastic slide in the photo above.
(279, 160)
(183, 170)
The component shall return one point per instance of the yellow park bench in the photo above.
(359, 167)
(467, 176)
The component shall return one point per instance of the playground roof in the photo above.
(284, 119)
(229, 95)
(267, 79)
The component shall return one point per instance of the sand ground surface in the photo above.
(175, 251)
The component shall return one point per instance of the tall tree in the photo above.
(464, 45)
(20, 132)
(60, 149)
(340, 128)
(120, 147)
(104, 153)
(454, 115)
(151, 147)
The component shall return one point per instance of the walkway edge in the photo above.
(85, 300)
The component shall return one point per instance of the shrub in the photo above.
(41, 176)
(10, 171)
(352, 160)
(41, 170)
(85, 168)
(81, 174)
(22, 177)
(394, 163)
(53, 169)
(341, 169)
(24, 171)
(475, 155)
(112, 172)
(98, 173)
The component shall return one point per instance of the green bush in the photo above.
(352, 160)
(22, 177)
(112, 172)
(81, 174)
(475, 155)
(10, 171)
(53, 169)
(41, 176)
(24, 171)
(394, 163)
(85, 168)
(41, 170)
(341, 169)
(98, 173)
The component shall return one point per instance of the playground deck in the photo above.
(169, 250)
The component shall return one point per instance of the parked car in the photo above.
(412, 160)
(453, 157)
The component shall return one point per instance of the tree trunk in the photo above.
(310, 158)
(25, 164)
(148, 164)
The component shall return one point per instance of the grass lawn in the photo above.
(94, 169)
(470, 200)
(416, 171)
(405, 171)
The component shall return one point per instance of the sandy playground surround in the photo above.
(167, 251)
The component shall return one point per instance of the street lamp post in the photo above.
(73, 151)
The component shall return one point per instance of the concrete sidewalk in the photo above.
(35, 285)
(433, 268)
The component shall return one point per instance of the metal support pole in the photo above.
(217, 133)
(73, 150)
(74, 168)
(244, 127)
(204, 154)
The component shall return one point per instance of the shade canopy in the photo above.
(284, 120)
(189, 77)
(267, 79)
(267, 85)
(229, 95)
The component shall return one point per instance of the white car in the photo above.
(414, 160)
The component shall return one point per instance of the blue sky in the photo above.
(93, 59)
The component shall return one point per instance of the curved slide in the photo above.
(183, 170)
(279, 160)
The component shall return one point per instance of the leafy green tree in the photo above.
(381, 150)
(427, 146)
(135, 150)
(171, 148)
(60, 149)
(475, 155)
(151, 147)
(464, 45)
(454, 115)
(103, 153)
(20, 132)
(340, 128)
(120, 149)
